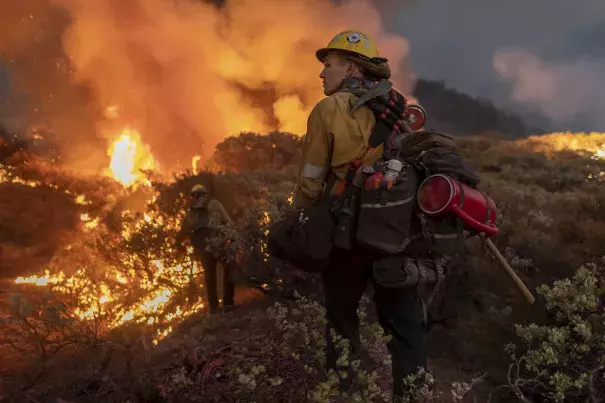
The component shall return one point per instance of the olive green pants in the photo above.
(399, 312)
(210, 265)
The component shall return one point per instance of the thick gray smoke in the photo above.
(457, 41)
(564, 92)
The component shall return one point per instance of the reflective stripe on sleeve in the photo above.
(313, 171)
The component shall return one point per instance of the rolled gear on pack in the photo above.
(436, 153)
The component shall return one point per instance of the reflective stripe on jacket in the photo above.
(335, 137)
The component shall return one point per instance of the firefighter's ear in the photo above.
(353, 70)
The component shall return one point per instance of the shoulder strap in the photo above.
(382, 88)
(379, 97)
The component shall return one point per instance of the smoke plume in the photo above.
(572, 94)
(184, 73)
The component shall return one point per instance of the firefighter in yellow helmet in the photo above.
(352, 57)
(338, 133)
(197, 226)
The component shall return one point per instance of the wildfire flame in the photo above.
(118, 295)
(41, 281)
(129, 156)
(192, 70)
(196, 159)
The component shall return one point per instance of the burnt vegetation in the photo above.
(116, 318)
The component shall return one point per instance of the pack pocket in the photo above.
(445, 234)
(385, 215)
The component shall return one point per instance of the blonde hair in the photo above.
(377, 68)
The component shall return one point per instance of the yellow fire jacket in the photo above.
(335, 137)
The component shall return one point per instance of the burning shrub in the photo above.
(113, 278)
(122, 268)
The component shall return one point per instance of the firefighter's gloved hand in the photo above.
(390, 111)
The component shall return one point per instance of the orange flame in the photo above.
(194, 164)
(197, 73)
(128, 157)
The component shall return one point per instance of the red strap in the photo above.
(341, 187)
(353, 166)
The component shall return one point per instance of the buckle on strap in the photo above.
(349, 177)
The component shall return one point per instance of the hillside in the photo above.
(59, 343)
(461, 114)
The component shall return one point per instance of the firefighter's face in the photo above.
(197, 197)
(336, 69)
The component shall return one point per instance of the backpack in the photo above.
(389, 221)
(431, 152)
(411, 248)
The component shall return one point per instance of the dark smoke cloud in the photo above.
(568, 93)
(456, 41)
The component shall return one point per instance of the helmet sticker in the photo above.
(355, 37)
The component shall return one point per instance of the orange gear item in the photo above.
(377, 181)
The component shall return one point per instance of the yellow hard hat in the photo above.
(198, 189)
(350, 41)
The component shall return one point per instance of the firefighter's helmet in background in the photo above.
(198, 190)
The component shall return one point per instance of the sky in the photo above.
(545, 56)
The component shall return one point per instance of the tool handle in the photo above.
(471, 222)
(509, 270)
